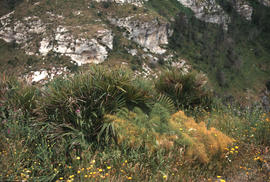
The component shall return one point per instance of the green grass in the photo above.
(167, 8)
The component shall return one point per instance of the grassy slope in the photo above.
(241, 56)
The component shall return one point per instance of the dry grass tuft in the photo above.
(202, 143)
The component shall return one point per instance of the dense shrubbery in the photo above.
(109, 119)
(186, 90)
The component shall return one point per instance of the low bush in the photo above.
(186, 90)
(75, 107)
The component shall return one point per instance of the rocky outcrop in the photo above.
(84, 47)
(81, 50)
(265, 2)
(149, 34)
(134, 2)
(20, 31)
(243, 8)
(208, 11)
(43, 75)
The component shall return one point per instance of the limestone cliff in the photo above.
(208, 11)
(87, 46)
(149, 34)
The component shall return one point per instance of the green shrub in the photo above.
(186, 90)
(18, 94)
(75, 107)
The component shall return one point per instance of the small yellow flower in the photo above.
(61, 178)
(126, 161)
(236, 147)
(232, 149)
(222, 180)
(78, 172)
(78, 158)
(109, 167)
(164, 177)
(100, 170)
(129, 178)
(85, 176)
(231, 152)
(218, 176)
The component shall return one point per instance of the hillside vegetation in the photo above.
(181, 92)
(107, 125)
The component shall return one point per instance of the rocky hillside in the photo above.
(227, 40)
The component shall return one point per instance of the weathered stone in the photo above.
(243, 8)
(208, 11)
(265, 2)
(149, 34)
(134, 2)
(61, 40)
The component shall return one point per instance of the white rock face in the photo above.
(43, 76)
(20, 31)
(61, 40)
(208, 11)
(265, 2)
(134, 2)
(243, 8)
(150, 35)
(133, 52)
(39, 75)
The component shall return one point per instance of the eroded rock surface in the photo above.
(134, 2)
(149, 34)
(265, 2)
(86, 47)
(208, 11)
(243, 8)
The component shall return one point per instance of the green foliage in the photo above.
(186, 90)
(233, 59)
(18, 94)
(75, 107)
(108, 119)
(172, 7)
